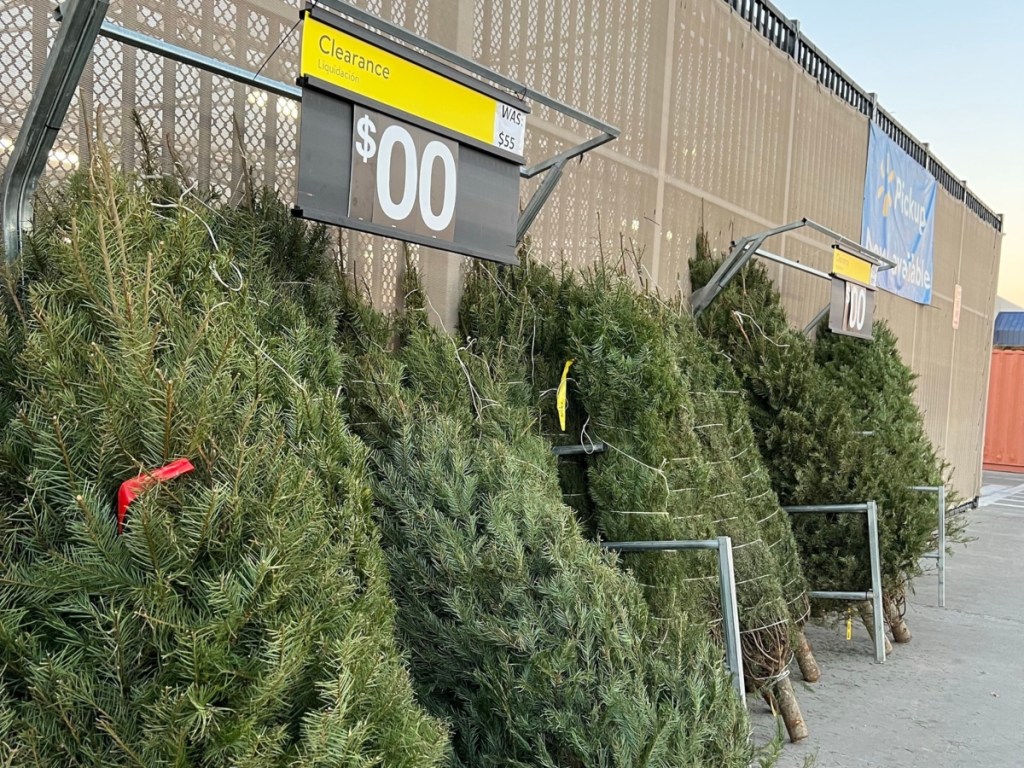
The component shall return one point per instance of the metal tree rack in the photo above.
(870, 509)
(726, 572)
(726, 591)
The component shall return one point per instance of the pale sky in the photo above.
(951, 74)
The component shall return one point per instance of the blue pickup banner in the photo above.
(899, 217)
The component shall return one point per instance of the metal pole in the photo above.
(726, 591)
(942, 546)
(790, 263)
(194, 59)
(50, 100)
(939, 555)
(861, 507)
(816, 320)
(669, 545)
(832, 595)
(730, 615)
(364, 17)
(539, 198)
(876, 582)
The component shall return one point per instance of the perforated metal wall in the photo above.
(731, 121)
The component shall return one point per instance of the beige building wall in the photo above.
(721, 129)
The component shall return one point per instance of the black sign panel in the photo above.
(376, 173)
(852, 309)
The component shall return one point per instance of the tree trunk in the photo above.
(805, 658)
(789, 708)
(866, 616)
(897, 625)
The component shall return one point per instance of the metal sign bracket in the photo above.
(746, 248)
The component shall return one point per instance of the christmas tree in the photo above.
(896, 455)
(809, 430)
(238, 615)
(643, 383)
(523, 635)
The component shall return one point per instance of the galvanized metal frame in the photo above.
(940, 554)
(201, 61)
(875, 595)
(50, 100)
(726, 590)
(83, 21)
(746, 248)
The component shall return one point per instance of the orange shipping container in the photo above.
(1004, 424)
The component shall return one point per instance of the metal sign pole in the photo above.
(746, 248)
(83, 20)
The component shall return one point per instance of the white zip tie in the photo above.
(766, 519)
(746, 544)
(741, 315)
(752, 579)
(275, 363)
(778, 623)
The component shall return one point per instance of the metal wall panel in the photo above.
(829, 157)
(966, 409)
(933, 360)
(902, 316)
(949, 231)
(687, 215)
(729, 111)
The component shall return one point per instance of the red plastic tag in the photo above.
(131, 488)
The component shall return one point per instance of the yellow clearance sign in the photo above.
(347, 62)
(851, 267)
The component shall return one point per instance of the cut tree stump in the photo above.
(805, 658)
(869, 624)
(789, 708)
(897, 624)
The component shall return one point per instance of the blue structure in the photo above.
(1009, 330)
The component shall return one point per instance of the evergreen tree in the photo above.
(643, 382)
(896, 454)
(808, 420)
(243, 618)
(522, 635)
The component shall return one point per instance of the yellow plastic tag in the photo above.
(561, 399)
(849, 624)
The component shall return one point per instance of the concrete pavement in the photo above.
(952, 697)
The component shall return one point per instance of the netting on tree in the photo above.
(522, 634)
(680, 462)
